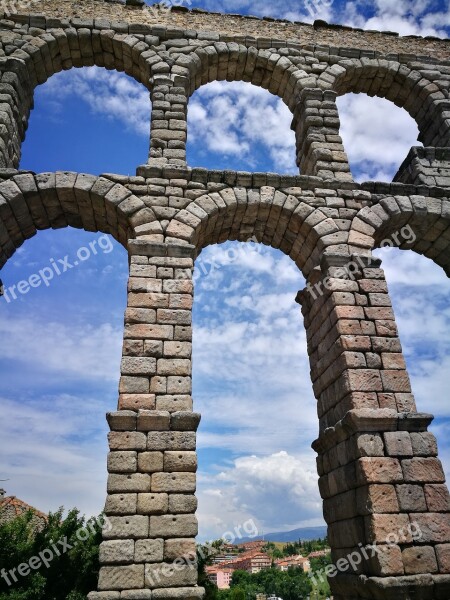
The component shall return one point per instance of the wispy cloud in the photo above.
(242, 121)
(109, 93)
(256, 488)
(416, 17)
(81, 351)
(377, 136)
(53, 451)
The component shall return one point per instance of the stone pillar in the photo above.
(425, 166)
(434, 123)
(169, 121)
(149, 544)
(385, 500)
(316, 123)
(16, 100)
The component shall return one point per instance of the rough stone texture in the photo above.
(121, 578)
(420, 560)
(152, 504)
(117, 551)
(443, 556)
(149, 551)
(380, 477)
(169, 574)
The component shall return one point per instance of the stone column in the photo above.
(169, 121)
(316, 123)
(16, 100)
(385, 500)
(434, 124)
(149, 545)
(425, 166)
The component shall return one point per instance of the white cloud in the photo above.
(420, 293)
(227, 117)
(252, 386)
(54, 451)
(256, 488)
(377, 136)
(108, 93)
(407, 17)
(307, 11)
(74, 350)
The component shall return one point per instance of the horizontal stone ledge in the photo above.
(167, 33)
(182, 593)
(402, 587)
(153, 420)
(307, 182)
(104, 596)
(136, 595)
(367, 420)
(139, 247)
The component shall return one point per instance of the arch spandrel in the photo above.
(273, 217)
(423, 99)
(269, 69)
(427, 220)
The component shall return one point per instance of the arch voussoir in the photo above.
(267, 215)
(37, 59)
(418, 223)
(29, 203)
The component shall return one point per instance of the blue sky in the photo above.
(61, 344)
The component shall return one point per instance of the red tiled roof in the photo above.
(19, 507)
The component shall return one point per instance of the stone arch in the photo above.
(428, 220)
(230, 61)
(29, 203)
(35, 60)
(281, 219)
(398, 83)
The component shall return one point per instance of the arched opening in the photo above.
(257, 472)
(377, 136)
(59, 366)
(414, 283)
(88, 120)
(85, 49)
(239, 126)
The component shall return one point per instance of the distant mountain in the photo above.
(303, 533)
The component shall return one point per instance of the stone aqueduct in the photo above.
(377, 463)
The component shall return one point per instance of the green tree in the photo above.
(71, 546)
(289, 585)
(203, 559)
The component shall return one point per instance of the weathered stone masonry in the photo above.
(378, 466)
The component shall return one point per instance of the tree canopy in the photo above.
(66, 550)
